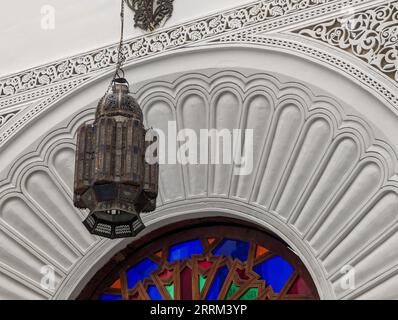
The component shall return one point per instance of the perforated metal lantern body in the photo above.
(112, 178)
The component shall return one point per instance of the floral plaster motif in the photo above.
(371, 35)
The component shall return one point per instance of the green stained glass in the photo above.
(202, 281)
(233, 288)
(250, 294)
(170, 289)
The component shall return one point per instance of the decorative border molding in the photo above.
(4, 118)
(387, 90)
(217, 25)
(59, 92)
(239, 25)
(371, 35)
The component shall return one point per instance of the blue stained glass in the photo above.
(184, 250)
(140, 272)
(109, 297)
(236, 249)
(217, 284)
(275, 271)
(154, 293)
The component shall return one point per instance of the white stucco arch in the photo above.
(35, 185)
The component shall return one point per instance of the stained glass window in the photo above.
(210, 263)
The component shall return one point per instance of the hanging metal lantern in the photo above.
(112, 178)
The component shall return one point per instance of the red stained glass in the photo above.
(242, 274)
(205, 264)
(166, 274)
(186, 284)
(300, 287)
(135, 296)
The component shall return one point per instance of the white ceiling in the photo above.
(80, 25)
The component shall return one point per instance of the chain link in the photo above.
(120, 55)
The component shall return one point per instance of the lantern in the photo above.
(112, 179)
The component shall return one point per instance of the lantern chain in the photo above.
(120, 55)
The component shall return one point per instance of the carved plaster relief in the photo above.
(336, 190)
(371, 35)
(325, 178)
(233, 26)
